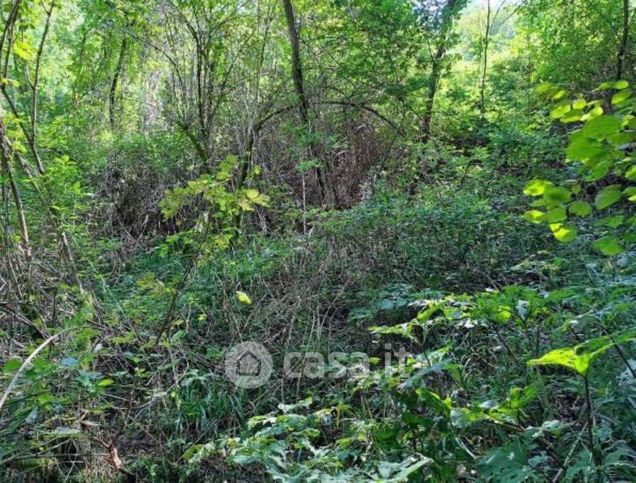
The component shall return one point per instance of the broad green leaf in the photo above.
(599, 171)
(23, 50)
(611, 221)
(607, 197)
(579, 104)
(544, 88)
(536, 187)
(559, 95)
(580, 208)
(631, 173)
(580, 357)
(582, 148)
(601, 127)
(534, 216)
(620, 138)
(406, 468)
(556, 215)
(566, 357)
(557, 194)
(620, 97)
(594, 112)
(560, 110)
(572, 116)
(606, 85)
(621, 84)
(609, 246)
(563, 233)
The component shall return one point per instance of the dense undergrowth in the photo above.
(466, 404)
(422, 210)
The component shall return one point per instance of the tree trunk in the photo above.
(303, 103)
(5, 156)
(482, 84)
(436, 69)
(113, 85)
(433, 83)
(622, 50)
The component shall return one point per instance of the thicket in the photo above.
(451, 178)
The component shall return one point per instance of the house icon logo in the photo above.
(248, 365)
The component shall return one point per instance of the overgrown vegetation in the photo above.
(423, 210)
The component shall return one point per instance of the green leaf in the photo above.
(105, 383)
(23, 50)
(544, 88)
(559, 95)
(536, 187)
(620, 138)
(580, 357)
(556, 215)
(631, 173)
(609, 246)
(534, 216)
(601, 127)
(599, 171)
(620, 97)
(579, 104)
(563, 233)
(574, 115)
(582, 148)
(607, 197)
(560, 110)
(621, 84)
(566, 357)
(580, 208)
(611, 221)
(243, 297)
(557, 194)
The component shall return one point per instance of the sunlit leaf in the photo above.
(23, 50)
(534, 216)
(563, 233)
(580, 357)
(536, 187)
(621, 84)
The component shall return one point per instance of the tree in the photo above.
(436, 18)
(303, 102)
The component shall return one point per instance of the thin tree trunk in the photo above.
(24, 229)
(622, 50)
(36, 76)
(113, 86)
(297, 74)
(433, 83)
(482, 84)
(5, 154)
(436, 70)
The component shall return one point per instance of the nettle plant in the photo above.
(604, 167)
